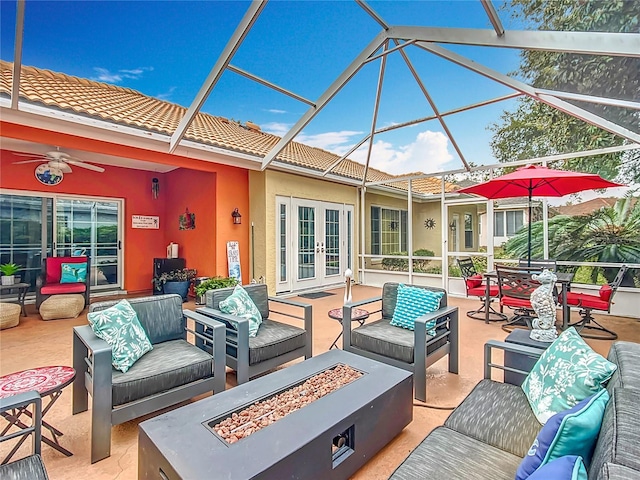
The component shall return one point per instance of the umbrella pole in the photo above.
(529, 246)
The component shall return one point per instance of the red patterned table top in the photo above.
(45, 380)
(357, 314)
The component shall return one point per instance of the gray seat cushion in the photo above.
(627, 356)
(611, 471)
(497, 414)
(387, 340)
(620, 432)
(28, 468)
(449, 455)
(169, 365)
(274, 339)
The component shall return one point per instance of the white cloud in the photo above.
(337, 142)
(167, 95)
(275, 110)
(104, 75)
(428, 153)
(276, 128)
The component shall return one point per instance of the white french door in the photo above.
(313, 243)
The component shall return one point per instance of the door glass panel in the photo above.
(283, 243)
(306, 243)
(349, 264)
(332, 242)
(21, 234)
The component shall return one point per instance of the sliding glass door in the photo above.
(33, 227)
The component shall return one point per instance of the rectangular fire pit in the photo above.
(330, 436)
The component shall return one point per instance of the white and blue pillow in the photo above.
(570, 467)
(413, 302)
(571, 432)
(239, 303)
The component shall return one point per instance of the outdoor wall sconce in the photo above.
(237, 218)
(155, 188)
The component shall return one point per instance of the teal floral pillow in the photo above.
(119, 327)
(566, 373)
(73, 273)
(239, 303)
(413, 302)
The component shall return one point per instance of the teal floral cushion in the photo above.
(119, 327)
(567, 372)
(239, 303)
(73, 272)
(413, 302)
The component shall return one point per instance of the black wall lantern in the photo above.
(237, 218)
(155, 188)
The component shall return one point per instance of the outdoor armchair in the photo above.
(516, 286)
(415, 350)
(276, 342)
(174, 371)
(476, 286)
(50, 281)
(30, 467)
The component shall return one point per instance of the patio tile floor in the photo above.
(37, 343)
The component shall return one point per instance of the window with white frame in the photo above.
(388, 230)
(507, 223)
(468, 230)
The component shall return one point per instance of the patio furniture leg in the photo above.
(453, 342)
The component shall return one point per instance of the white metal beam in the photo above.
(434, 107)
(17, 55)
(596, 43)
(253, 12)
(561, 105)
(373, 14)
(613, 102)
(374, 117)
(328, 94)
(353, 149)
(269, 84)
(515, 163)
(493, 17)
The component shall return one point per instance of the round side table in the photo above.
(357, 315)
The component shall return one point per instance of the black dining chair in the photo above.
(476, 287)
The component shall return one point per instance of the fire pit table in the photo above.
(329, 437)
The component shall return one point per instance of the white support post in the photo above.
(410, 231)
(363, 251)
(444, 221)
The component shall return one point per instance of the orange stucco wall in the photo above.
(211, 192)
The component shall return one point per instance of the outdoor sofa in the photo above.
(490, 432)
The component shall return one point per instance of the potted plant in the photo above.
(175, 281)
(8, 271)
(212, 284)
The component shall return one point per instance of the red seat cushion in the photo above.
(587, 301)
(55, 288)
(605, 292)
(481, 291)
(515, 302)
(474, 281)
(54, 267)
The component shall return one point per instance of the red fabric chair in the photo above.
(48, 283)
(601, 302)
(477, 288)
(516, 286)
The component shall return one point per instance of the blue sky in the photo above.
(166, 49)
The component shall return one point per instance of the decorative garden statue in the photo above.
(544, 327)
(347, 285)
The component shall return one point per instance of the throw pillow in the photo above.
(413, 302)
(571, 432)
(568, 371)
(119, 327)
(564, 468)
(239, 303)
(73, 272)
(474, 281)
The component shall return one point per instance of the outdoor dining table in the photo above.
(564, 279)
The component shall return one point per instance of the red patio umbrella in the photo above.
(535, 181)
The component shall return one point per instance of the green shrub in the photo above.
(402, 264)
(215, 283)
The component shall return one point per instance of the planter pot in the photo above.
(7, 279)
(181, 288)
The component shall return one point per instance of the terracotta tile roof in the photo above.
(128, 107)
(585, 208)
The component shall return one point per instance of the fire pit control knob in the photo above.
(340, 440)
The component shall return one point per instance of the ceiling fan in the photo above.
(59, 160)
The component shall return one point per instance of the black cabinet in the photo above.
(162, 265)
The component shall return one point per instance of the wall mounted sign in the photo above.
(145, 221)
(187, 220)
(48, 175)
(233, 257)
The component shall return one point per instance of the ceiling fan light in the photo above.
(62, 166)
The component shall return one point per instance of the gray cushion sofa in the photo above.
(490, 432)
